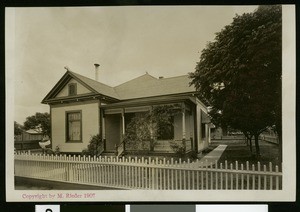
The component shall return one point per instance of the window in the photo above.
(73, 126)
(166, 129)
(72, 89)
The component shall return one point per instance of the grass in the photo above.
(237, 150)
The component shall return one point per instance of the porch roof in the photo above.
(151, 101)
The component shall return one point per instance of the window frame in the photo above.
(69, 89)
(67, 126)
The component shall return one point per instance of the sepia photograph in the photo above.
(150, 103)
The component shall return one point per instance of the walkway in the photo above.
(212, 156)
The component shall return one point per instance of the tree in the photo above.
(17, 128)
(39, 120)
(239, 74)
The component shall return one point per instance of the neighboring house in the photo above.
(270, 136)
(28, 139)
(81, 107)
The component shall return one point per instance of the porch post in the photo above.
(151, 133)
(123, 131)
(183, 126)
(103, 130)
(123, 124)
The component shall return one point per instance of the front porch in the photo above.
(115, 119)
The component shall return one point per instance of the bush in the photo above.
(57, 150)
(49, 151)
(193, 155)
(95, 147)
(179, 149)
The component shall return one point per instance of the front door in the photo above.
(112, 131)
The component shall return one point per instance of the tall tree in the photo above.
(239, 74)
(39, 120)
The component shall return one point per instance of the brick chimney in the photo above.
(96, 71)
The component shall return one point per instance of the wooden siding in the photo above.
(90, 126)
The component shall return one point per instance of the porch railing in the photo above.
(120, 149)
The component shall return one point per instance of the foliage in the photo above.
(239, 74)
(39, 120)
(57, 150)
(138, 132)
(144, 129)
(179, 149)
(95, 146)
(17, 128)
(193, 155)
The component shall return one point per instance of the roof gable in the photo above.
(98, 87)
(86, 86)
(80, 89)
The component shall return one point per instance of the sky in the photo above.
(127, 42)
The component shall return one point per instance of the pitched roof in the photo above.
(149, 86)
(97, 86)
(140, 87)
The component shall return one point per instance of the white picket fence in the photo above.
(147, 173)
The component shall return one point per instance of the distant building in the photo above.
(28, 139)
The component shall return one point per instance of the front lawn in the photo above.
(237, 150)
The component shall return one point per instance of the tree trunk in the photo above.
(250, 144)
(247, 140)
(257, 145)
(151, 144)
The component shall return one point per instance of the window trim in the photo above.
(75, 89)
(67, 126)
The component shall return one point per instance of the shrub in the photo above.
(179, 149)
(95, 147)
(193, 155)
(57, 150)
(49, 151)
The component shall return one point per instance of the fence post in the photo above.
(265, 177)
(231, 177)
(259, 176)
(206, 175)
(271, 177)
(237, 175)
(202, 180)
(216, 174)
(242, 177)
(226, 175)
(277, 178)
(253, 177)
(221, 167)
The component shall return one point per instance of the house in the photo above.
(81, 107)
